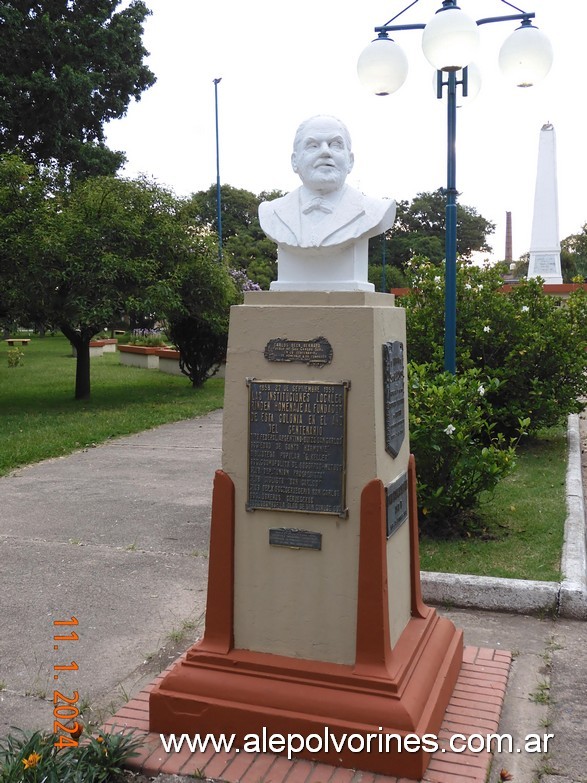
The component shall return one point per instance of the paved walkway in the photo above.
(117, 536)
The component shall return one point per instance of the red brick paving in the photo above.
(474, 708)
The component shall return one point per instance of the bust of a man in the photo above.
(324, 217)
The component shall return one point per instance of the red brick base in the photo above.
(474, 708)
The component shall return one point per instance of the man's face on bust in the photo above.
(321, 155)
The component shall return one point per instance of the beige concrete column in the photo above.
(303, 602)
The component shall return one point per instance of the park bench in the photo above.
(12, 341)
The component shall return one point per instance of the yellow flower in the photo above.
(32, 760)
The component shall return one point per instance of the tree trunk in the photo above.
(81, 343)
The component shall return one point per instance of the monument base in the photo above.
(350, 710)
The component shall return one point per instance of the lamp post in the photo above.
(449, 41)
(218, 197)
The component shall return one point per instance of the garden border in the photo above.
(567, 598)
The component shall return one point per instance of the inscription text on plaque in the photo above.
(396, 495)
(393, 396)
(297, 441)
(315, 353)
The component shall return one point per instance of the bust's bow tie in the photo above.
(316, 203)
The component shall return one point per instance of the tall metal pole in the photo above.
(450, 318)
(218, 196)
(450, 282)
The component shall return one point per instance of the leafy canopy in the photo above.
(419, 230)
(66, 68)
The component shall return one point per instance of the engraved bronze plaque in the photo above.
(396, 496)
(297, 446)
(292, 538)
(393, 396)
(315, 353)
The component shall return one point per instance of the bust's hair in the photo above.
(302, 127)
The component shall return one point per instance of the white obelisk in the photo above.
(545, 258)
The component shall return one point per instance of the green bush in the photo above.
(198, 323)
(39, 758)
(458, 452)
(534, 346)
(15, 357)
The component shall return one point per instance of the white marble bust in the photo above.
(322, 228)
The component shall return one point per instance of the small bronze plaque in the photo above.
(396, 495)
(297, 442)
(315, 353)
(294, 538)
(393, 396)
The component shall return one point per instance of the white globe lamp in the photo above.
(450, 39)
(382, 66)
(526, 56)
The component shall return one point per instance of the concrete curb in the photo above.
(567, 598)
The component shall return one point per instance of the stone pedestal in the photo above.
(314, 620)
(301, 269)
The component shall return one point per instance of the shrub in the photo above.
(197, 324)
(201, 346)
(35, 758)
(15, 357)
(525, 339)
(458, 452)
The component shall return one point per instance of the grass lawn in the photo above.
(39, 417)
(521, 525)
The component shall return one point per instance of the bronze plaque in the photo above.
(393, 396)
(297, 443)
(396, 496)
(292, 538)
(315, 353)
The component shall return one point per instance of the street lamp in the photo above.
(449, 41)
(218, 201)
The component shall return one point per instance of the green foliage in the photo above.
(419, 230)
(458, 453)
(15, 357)
(67, 68)
(33, 758)
(23, 207)
(518, 529)
(394, 277)
(83, 257)
(198, 322)
(574, 256)
(244, 241)
(150, 339)
(525, 339)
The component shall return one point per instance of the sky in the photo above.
(281, 63)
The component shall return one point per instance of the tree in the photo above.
(419, 230)
(24, 207)
(574, 255)
(197, 323)
(66, 68)
(107, 247)
(243, 238)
